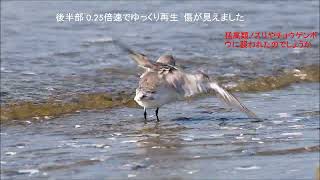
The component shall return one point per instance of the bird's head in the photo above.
(167, 59)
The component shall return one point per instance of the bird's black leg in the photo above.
(157, 110)
(145, 114)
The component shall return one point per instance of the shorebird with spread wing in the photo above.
(163, 82)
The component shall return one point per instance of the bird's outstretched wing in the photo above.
(193, 84)
(143, 61)
(231, 99)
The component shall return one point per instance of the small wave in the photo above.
(31, 73)
(97, 41)
(105, 39)
(53, 108)
(292, 134)
(10, 153)
(4, 70)
(187, 139)
(67, 54)
(285, 78)
(283, 115)
(289, 151)
(80, 163)
(28, 171)
(132, 175)
(129, 141)
(308, 113)
(246, 168)
(193, 171)
(216, 135)
(121, 72)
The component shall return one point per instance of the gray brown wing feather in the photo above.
(149, 81)
(139, 58)
(143, 61)
(231, 100)
(194, 84)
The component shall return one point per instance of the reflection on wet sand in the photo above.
(161, 139)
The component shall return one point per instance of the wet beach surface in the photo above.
(66, 95)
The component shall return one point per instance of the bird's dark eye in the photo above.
(151, 92)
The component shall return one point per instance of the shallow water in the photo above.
(66, 95)
(203, 139)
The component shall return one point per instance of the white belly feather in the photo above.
(160, 97)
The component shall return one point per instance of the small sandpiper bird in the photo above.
(163, 82)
